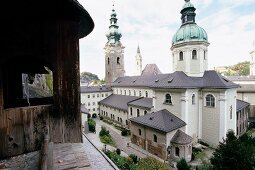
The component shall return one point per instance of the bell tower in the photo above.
(114, 52)
(138, 62)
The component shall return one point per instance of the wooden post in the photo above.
(66, 119)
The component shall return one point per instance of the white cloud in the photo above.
(152, 23)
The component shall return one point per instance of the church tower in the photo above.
(138, 61)
(114, 52)
(252, 63)
(189, 44)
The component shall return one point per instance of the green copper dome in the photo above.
(189, 30)
(188, 33)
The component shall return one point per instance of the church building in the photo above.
(168, 113)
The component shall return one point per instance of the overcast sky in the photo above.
(230, 25)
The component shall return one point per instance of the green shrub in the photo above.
(124, 132)
(106, 139)
(104, 132)
(134, 158)
(92, 125)
(150, 163)
(183, 165)
(118, 151)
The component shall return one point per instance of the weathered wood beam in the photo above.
(66, 120)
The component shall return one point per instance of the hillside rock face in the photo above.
(38, 89)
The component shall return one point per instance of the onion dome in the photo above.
(114, 34)
(189, 30)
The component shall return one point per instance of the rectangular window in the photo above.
(88, 96)
(140, 132)
(97, 95)
(93, 95)
(102, 95)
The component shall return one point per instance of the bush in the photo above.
(104, 132)
(92, 125)
(125, 132)
(134, 158)
(118, 151)
(183, 165)
(120, 161)
(106, 139)
(150, 163)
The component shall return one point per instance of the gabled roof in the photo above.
(91, 89)
(178, 80)
(161, 120)
(143, 103)
(118, 101)
(241, 104)
(181, 138)
(150, 69)
(212, 79)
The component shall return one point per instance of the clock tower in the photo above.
(114, 52)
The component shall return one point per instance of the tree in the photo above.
(239, 69)
(183, 165)
(234, 153)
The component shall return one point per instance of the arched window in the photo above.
(155, 138)
(118, 60)
(204, 55)
(146, 94)
(134, 93)
(138, 112)
(168, 99)
(145, 112)
(131, 111)
(129, 92)
(181, 56)
(140, 93)
(210, 100)
(108, 60)
(193, 98)
(140, 132)
(194, 55)
(177, 151)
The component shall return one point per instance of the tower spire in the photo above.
(113, 35)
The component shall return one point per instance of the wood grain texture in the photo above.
(22, 129)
